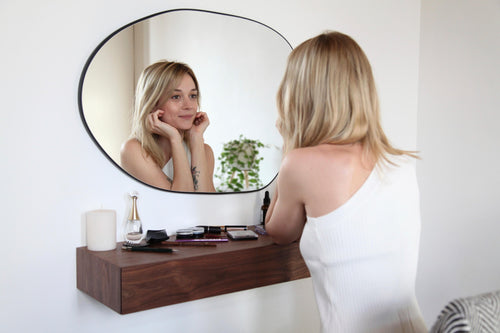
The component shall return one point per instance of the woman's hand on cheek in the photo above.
(200, 123)
(157, 126)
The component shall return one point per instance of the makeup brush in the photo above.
(145, 248)
(148, 249)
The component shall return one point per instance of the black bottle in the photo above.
(264, 208)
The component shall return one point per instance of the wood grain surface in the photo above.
(129, 281)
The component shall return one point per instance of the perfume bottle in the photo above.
(133, 227)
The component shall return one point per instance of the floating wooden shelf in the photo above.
(134, 281)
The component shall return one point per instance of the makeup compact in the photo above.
(242, 234)
(196, 232)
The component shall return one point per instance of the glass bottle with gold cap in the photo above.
(133, 227)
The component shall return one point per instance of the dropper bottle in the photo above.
(133, 227)
(264, 208)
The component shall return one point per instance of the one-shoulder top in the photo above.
(363, 255)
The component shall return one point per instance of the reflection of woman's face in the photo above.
(181, 106)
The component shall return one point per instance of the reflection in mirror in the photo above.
(238, 63)
(166, 148)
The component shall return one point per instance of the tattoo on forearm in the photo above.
(195, 173)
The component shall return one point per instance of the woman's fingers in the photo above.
(198, 119)
(201, 119)
(157, 126)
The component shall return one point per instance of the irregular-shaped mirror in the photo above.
(239, 64)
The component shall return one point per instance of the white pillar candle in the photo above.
(101, 230)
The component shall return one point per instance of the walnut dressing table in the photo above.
(129, 281)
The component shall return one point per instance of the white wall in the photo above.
(108, 93)
(458, 136)
(52, 173)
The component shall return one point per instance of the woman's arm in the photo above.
(286, 215)
(182, 180)
(202, 156)
(139, 164)
(136, 161)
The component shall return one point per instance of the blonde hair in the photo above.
(328, 95)
(156, 83)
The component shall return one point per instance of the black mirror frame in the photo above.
(96, 50)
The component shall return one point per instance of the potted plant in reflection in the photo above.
(240, 165)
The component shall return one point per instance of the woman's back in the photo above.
(358, 225)
(362, 254)
(342, 166)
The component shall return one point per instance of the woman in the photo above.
(345, 192)
(166, 148)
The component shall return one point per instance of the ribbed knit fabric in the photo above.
(363, 256)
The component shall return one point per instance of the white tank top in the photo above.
(168, 168)
(363, 256)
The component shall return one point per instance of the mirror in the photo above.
(239, 64)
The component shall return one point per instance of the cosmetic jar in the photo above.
(184, 233)
(198, 232)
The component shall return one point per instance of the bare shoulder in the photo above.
(294, 163)
(329, 175)
(133, 156)
(311, 160)
(209, 154)
(299, 167)
(208, 149)
(131, 146)
(132, 150)
(300, 158)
